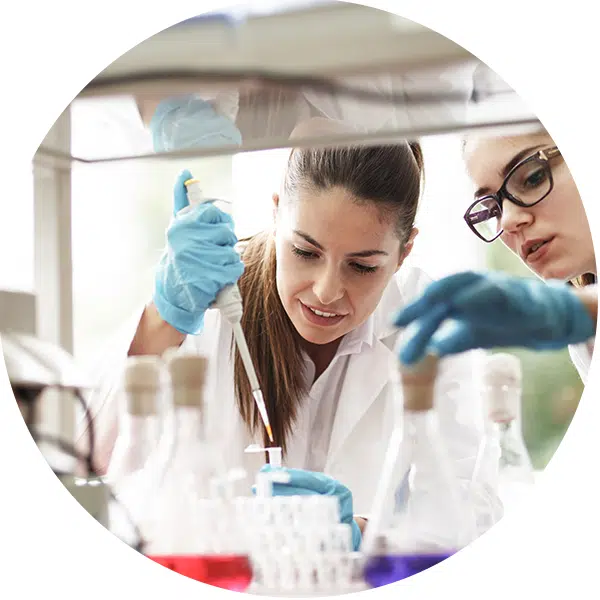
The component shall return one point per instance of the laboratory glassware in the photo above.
(192, 532)
(421, 518)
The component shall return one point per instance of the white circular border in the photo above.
(545, 51)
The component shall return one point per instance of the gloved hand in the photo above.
(489, 310)
(199, 260)
(306, 483)
(190, 122)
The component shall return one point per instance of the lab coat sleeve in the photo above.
(581, 354)
(456, 82)
(581, 357)
(102, 397)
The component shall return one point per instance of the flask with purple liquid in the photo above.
(424, 520)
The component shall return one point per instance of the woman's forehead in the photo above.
(335, 212)
(486, 157)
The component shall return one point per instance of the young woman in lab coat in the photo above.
(319, 289)
(526, 197)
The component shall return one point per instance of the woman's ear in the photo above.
(408, 246)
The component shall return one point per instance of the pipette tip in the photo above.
(269, 433)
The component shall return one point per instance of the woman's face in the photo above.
(334, 260)
(559, 220)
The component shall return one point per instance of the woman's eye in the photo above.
(535, 178)
(303, 253)
(363, 269)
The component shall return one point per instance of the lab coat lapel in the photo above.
(366, 376)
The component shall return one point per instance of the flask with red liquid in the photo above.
(193, 532)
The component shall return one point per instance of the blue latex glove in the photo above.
(490, 310)
(199, 260)
(306, 483)
(190, 122)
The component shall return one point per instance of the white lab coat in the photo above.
(581, 356)
(365, 412)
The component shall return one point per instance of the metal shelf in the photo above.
(289, 61)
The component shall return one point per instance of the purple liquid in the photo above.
(383, 569)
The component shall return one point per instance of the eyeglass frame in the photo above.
(542, 156)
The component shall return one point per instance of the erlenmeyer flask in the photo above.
(502, 381)
(138, 434)
(191, 528)
(425, 520)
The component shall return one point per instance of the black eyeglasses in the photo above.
(526, 184)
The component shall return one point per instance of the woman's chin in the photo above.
(313, 335)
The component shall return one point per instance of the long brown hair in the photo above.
(583, 280)
(390, 176)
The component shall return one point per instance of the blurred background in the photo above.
(120, 212)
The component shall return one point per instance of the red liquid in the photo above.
(230, 572)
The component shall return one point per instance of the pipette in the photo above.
(229, 302)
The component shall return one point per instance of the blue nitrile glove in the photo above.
(489, 310)
(190, 122)
(199, 260)
(306, 483)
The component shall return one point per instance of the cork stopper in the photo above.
(502, 381)
(142, 384)
(188, 373)
(418, 382)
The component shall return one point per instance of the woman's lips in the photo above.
(539, 254)
(319, 320)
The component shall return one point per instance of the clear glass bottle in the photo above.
(139, 424)
(192, 531)
(502, 382)
(138, 435)
(421, 516)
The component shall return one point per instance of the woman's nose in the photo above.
(514, 217)
(328, 286)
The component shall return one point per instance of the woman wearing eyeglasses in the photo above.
(527, 198)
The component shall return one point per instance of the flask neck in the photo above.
(513, 451)
(427, 449)
(188, 397)
(140, 402)
(432, 513)
(142, 428)
(504, 402)
(188, 425)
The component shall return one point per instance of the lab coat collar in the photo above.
(378, 326)
(368, 367)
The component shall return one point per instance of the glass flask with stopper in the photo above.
(138, 435)
(502, 388)
(193, 527)
(419, 515)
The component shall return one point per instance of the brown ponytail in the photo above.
(420, 160)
